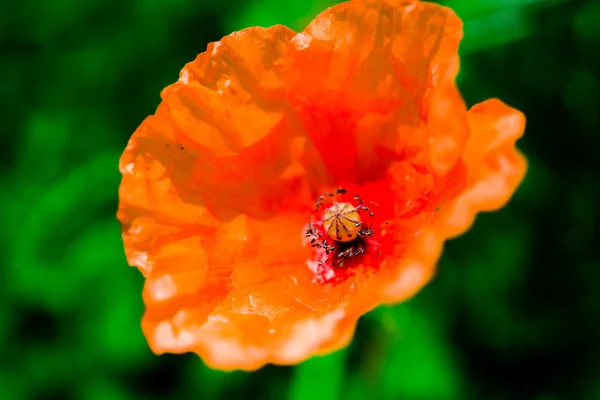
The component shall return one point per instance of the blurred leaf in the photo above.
(295, 14)
(587, 20)
(415, 362)
(582, 96)
(495, 29)
(59, 213)
(495, 271)
(102, 388)
(319, 378)
(12, 384)
(469, 9)
(209, 384)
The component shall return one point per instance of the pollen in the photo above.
(342, 222)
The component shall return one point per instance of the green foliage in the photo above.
(513, 312)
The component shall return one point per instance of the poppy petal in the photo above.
(361, 69)
(213, 207)
(256, 301)
(376, 50)
(496, 167)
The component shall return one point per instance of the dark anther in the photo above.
(357, 224)
(365, 232)
(313, 240)
(371, 214)
(341, 191)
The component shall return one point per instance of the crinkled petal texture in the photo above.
(219, 184)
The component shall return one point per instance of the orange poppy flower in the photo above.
(360, 114)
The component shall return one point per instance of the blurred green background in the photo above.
(513, 314)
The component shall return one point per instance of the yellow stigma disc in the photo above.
(342, 222)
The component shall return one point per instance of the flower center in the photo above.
(339, 235)
(342, 222)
